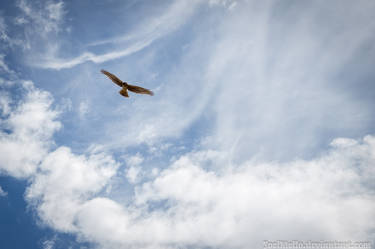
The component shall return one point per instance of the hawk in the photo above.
(125, 86)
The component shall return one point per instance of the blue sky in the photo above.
(261, 127)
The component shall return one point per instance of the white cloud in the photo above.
(220, 196)
(59, 179)
(277, 80)
(40, 25)
(239, 207)
(49, 244)
(5, 102)
(133, 171)
(230, 4)
(5, 40)
(2, 192)
(45, 19)
(175, 15)
(83, 109)
(330, 197)
(55, 11)
(31, 125)
(3, 34)
(134, 160)
(65, 181)
(3, 65)
(132, 174)
(141, 37)
(179, 100)
(187, 205)
(4, 37)
(52, 61)
(20, 20)
(259, 82)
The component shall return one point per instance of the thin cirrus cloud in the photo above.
(55, 63)
(174, 16)
(274, 86)
(47, 18)
(284, 94)
(144, 35)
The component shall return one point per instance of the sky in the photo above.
(262, 125)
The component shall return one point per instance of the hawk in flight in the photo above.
(125, 86)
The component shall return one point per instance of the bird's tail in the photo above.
(124, 92)
(141, 90)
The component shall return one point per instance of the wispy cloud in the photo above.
(45, 19)
(38, 25)
(83, 109)
(279, 81)
(157, 26)
(4, 67)
(141, 37)
(56, 63)
(48, 244)
(3, 28)
(230, 4)
(2, 192)
(5, 40)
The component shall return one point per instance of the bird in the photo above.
(125, 86)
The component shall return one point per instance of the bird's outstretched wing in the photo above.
(112, 77)
(138, 89)
(124, 92)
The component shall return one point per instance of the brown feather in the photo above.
(138, 89)
(124, 92)
(113, 78)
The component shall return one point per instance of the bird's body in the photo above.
(125, 86)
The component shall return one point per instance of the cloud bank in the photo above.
(188, 204)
